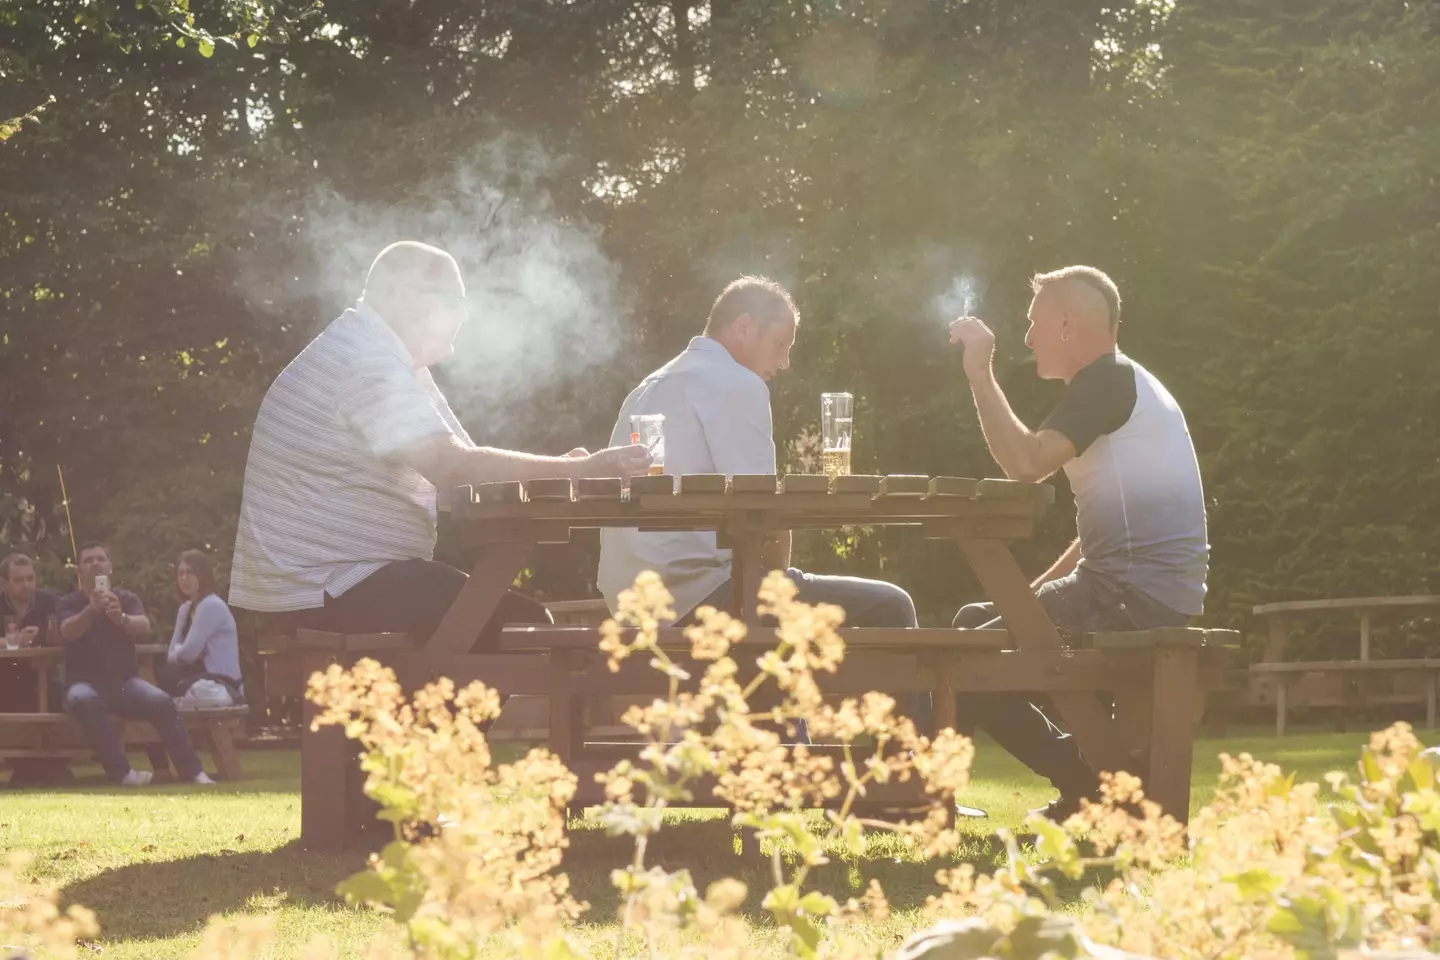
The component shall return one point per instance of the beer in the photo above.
(835, 463)
(657, 469)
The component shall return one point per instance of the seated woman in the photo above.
(203, 665)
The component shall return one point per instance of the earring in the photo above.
(1065, 337)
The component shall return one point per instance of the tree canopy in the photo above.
(1259, 176)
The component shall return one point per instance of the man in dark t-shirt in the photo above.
(99, 626)
(1141, 556)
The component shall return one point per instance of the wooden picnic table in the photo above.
(49, 733)
(1154, 677)
(1348, 684)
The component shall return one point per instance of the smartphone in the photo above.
(102, 582)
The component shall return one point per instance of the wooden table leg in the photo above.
(1364, 636)
(1030, 626)
(1430, 701)
(746, 572)
(1134, 722)
(1275, 644)
(325, 758)
(1280, 687)
(42, 682)
(491, 577)
(563, 704)
(1172, 730)
(944, 695)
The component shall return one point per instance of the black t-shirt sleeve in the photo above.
(1098, 401)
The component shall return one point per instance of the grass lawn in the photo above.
(155, 863)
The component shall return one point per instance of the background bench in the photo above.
(1348, 684)
(57, 735)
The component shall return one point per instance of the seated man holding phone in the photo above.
(99, 626)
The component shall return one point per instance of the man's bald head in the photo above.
(417, 290)
(406, 264)
(1089, 294)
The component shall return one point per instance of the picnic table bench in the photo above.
(1350, 684)
(1154, 677)
(49, 733)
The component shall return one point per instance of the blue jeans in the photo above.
(867, 603)
(135, 699)
(1081, 603)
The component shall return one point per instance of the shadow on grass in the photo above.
(709, 849)
(166, 898)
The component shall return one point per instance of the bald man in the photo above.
(1141, 557)
(351, 445)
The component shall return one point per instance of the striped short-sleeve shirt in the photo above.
(326, 503)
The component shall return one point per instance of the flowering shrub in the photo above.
(474, 867)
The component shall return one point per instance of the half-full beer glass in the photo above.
(648, 429)
(837, 418)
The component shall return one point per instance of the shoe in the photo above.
(1061, 808)
(203, 779)
(136, 778)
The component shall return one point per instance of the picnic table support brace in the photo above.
(494, 571)
(1430, 692)
(1030, 625)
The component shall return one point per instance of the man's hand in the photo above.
(97, 600)
(28, 635)
(979, 344)
(629, 461)
(113, 609)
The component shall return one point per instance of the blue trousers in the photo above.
(135, 699)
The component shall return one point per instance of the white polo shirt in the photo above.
(717, 420)
(325, 503)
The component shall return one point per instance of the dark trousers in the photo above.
(410, 596)
(135, 699)
(1080, 603)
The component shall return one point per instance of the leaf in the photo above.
(853, 834)
(818, 904)
(1057, 846)
(366, 887)
(1301, 923)
(1255, 883)
(180, 42)
(1370, 767)
(251, 40)
(1047, 936)
(206, 47)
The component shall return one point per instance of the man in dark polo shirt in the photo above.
(99, 626)
(1141, 555)
(32, 613)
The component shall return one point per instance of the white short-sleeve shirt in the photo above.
(325, 502)
(717, 420)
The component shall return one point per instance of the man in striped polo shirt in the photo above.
(352, 442)
(1141, 555)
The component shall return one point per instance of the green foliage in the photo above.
(1258, 177)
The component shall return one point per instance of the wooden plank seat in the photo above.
(46, 735)
(1351, 684)
(1156, 681)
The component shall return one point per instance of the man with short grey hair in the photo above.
(716, 403)
(1141, 555)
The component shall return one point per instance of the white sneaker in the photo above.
(136, 778)
(203, 779)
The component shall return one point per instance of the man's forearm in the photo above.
(1062, 567)
(135, 624)
(1009, 440)
(73, 628)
